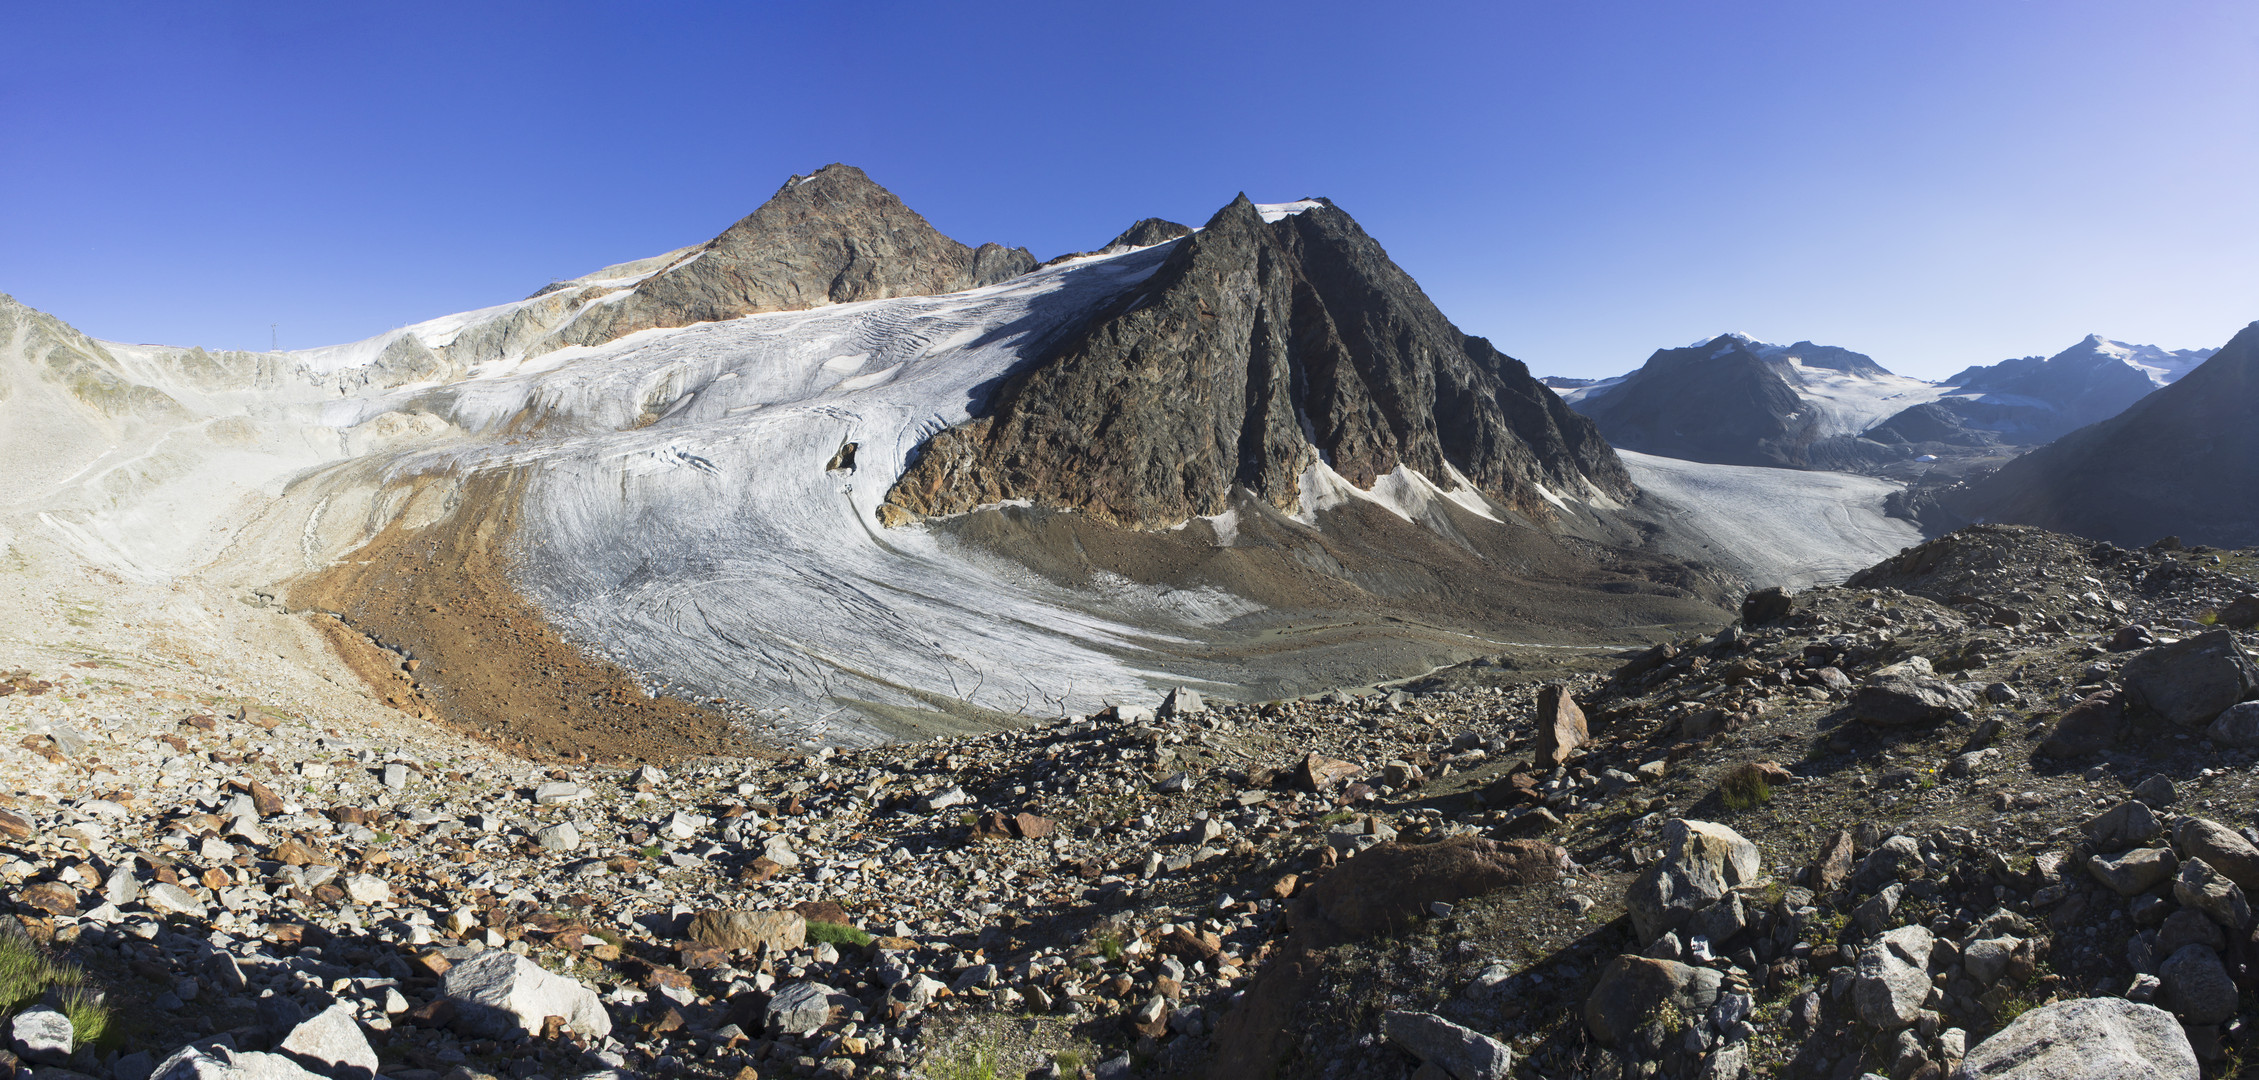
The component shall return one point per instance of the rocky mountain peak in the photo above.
(2182, 460)
(1273, 339)
(832, 237)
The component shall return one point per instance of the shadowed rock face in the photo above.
(1252, 343)
(830, 238)
(2182, 461)
(1718, 402)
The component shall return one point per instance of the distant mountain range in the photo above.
(2181, 461)
(1732, 399)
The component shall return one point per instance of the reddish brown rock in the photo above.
(1560, 725)
(1031, 826)
(264, 800)
(1833, 865)
(1322, 774)
(14, 827)
(52, 897)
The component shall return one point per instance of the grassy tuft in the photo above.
(27, 973)
(1109, 946)
(1744, 788)
(837, 934)
(974, 1063)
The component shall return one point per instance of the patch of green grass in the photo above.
(1109, 946)
(89, 1015)
(973, 1063)
(2208, 617)
(385, 838)
(1744, 788)
(650, 851)
(27, 973)
(1068, 1061)
(837, 934)
(1338, 817)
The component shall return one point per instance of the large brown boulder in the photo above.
(1379, 891)
(2088, 727)
(2223, 848)
(1560, 725)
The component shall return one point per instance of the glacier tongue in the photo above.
(680, 517)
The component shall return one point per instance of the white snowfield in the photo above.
(1789, 527)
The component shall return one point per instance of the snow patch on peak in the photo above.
(1276, 212)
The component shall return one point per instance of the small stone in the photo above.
(367, 889)
(800, 1009)
(1321, 774)
(331, 1043)
(559, 837)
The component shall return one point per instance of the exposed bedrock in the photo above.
(1253, 343)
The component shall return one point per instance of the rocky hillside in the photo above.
(1272, 341)
(1983, 808)
(2182, 461)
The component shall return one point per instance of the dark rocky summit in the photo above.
(1253, 342)
(2183, 461)
(829, 238)
(1732, 401)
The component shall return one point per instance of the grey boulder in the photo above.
(1701, 861)
(2197, 985)
(501, 993)
(332, 1043)
(2085, 1039)
(1902, 696)
(211, 1062)
(1893, 979)
(2209, 891)
(2237, 726)
(2192, 682)
(1464, 1053)
(801, 1008)
(41, 1035)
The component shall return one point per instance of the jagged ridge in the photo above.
(1258, 348)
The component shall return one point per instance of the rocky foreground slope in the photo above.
(1982, 812)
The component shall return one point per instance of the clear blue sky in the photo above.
(1935, 182)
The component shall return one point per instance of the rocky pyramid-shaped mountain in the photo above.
(2181, 461)
(1274, 341)
(1733, 400)
(832, 237)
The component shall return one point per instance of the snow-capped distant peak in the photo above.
(1273, 212)
(2161, 366)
